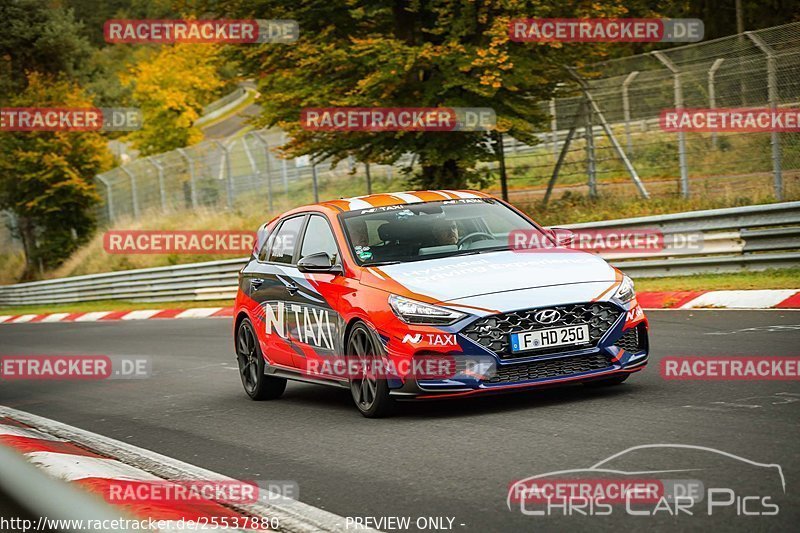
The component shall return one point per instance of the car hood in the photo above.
(451, 279)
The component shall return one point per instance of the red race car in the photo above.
(421, 295)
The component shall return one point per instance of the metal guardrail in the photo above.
(734, 239)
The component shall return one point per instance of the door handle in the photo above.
(255, 283)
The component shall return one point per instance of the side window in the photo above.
(262, 240)
(282, 245)
(319, 238)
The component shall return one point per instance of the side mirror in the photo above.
(318, 262)
(563, 236)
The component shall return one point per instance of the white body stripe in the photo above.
(407, 197)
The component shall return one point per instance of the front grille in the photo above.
(551, 368)
(633, 340)
(493, 332)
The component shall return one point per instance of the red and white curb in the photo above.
(105, 316)
(745, 299)
(94, 462)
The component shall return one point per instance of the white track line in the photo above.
(294, 516)
(24, 318)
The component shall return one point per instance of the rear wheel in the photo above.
(370, 391)
(251, 366)
(607, 382)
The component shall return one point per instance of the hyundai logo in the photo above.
(547, 316)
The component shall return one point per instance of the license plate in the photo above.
(549, 338)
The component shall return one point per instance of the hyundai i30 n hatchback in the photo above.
(421, 295)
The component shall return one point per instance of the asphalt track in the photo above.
(447, 458)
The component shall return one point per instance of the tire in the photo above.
(370, 394)
(257, 385)
(606, 382)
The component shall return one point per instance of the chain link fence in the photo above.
(757, 69)
(604, 129)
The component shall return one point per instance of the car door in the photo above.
(269, 283)
(314, 322)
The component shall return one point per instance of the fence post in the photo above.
(284, 170)
(192, 186)
(772, 86)
(162, 194)
(676, 74)
(712, 93)
(588, 134)
(554, 126)
(626, 109)
(109, 197)
(253, 166)
(228, 178)
(610, 134)
(314, 185)
(268, 165)
(134, 192)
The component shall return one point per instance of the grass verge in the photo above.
(788, 278)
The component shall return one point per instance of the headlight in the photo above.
(625, 291)
(414, 312)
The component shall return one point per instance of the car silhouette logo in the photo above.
(547, 316)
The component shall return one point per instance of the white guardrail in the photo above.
(732, 239)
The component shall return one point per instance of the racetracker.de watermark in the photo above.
(74, 367)
(730, 120)
(651, 30)
(200, 31)
(420, 367)
(70, 119)
(720, 368)
(398, 119)
(179, 242)
(638, 241)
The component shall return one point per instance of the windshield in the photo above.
(413, 232)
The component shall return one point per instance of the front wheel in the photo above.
(370, 391)
(251, 366)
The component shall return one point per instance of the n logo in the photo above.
(412, 339)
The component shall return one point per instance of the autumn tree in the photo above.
(46, 178)
(452, 53)
(171, 86)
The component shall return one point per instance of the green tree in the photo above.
(46, 177)
(39, 37)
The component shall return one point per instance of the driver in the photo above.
(358, 233)
(445, 232)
